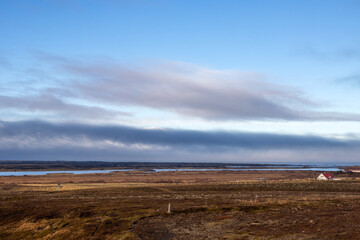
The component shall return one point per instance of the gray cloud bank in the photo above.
(167, 137)
(47, 141)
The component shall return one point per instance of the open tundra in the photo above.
(204, 205)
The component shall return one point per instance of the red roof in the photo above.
(328, 175)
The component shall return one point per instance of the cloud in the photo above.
(346, 54)
(165, 137)
(98, 90)
(49, 104)
(4, 63)
(353, 79)
(44, 140)
(191, 91)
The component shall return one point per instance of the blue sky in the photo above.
(282, 68)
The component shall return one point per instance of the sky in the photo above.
(260, 81)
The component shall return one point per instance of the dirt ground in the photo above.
(204, 205)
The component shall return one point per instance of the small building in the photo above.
(354, 170)
(325, 176)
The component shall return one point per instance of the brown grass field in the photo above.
(204, 205)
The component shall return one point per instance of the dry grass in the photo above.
(87, 209)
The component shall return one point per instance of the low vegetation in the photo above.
(249, 209)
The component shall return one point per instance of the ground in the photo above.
(204, 205)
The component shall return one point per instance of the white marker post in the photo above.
(169, 208)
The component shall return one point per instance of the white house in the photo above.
(325, 176)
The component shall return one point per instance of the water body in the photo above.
(269, 165)
(330, 169)
(52, 172)
(284, 166)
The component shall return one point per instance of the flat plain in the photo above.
(203, 205)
